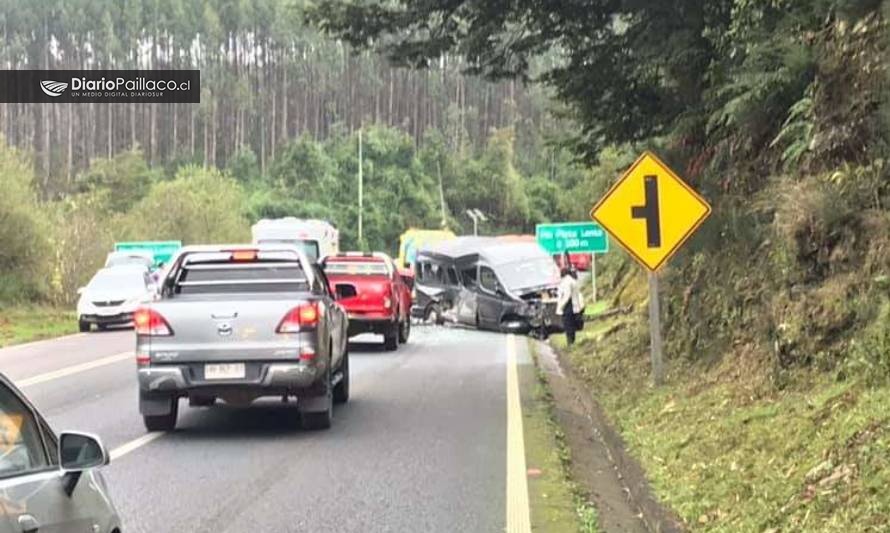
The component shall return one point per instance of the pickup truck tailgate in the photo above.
(369, 293)
(224, 329)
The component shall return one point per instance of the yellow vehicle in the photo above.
(413, 239)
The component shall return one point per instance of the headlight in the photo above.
(83, 306)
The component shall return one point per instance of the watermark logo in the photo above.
(53, 88)
(100, 86)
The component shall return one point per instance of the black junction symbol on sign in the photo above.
(649, 212)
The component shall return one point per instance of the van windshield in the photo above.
(528, 273)
(308, 246)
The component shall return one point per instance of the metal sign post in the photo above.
(655, 330)
(593, 273)
(651, 212)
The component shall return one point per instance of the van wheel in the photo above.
(405, 331)
(83, 326)
(435, 315)
(163, 422)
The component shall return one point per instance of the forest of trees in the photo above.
(266, 77)
(275, 134)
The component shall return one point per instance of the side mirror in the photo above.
(80, 290)
(80, 451)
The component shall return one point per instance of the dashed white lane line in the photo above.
(135, 444)
(71, 370)
(518, 520)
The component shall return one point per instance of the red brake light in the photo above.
(150, 323)
(299, 318)
(244, 255)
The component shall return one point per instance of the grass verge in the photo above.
(557, 504)
(30, 323)
(728, 455)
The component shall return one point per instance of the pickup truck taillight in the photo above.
(150, 323)
(304, 316)
(387, 302)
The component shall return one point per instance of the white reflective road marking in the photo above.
(518, 520)
(14, 347)
(134, 444)
(71, 370)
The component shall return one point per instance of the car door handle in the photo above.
(28, 523)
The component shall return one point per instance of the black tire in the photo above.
(102, 327)
(320, 419)
(163, 422)
(439, 318)
(341, 390)
(83, 326)
(405, 331)
(391, 338)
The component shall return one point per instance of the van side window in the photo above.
(469, 276)
(452, 277)
(487, 279)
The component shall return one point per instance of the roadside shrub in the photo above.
(24, 245)
(869, 353)
(199, 205)
(81, 239)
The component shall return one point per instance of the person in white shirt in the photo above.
(568, 302)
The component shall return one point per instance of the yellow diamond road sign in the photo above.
(650, 211)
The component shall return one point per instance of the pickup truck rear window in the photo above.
(356, 268)
(232, 277)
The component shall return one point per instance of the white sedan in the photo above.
(113, 295)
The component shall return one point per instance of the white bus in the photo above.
(317, 238)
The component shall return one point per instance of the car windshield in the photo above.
(307, 246)
(117, 260)
(528, 273)
(356, 268)
(123, 279)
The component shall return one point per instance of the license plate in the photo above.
(224, 371)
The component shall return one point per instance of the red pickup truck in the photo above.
(375, 295)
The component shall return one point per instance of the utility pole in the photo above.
(441, 195)
(361, 199)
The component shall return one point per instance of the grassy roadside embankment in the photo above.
(556, 504)
(29, 323)
(730, 454)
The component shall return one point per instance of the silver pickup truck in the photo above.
(240, 322)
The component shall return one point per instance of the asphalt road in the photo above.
(419, 447)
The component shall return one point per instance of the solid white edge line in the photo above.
(71, 370)
(12, 347)
(518, 519)
(134, 444)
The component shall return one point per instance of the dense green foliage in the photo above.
(775, 109)
(267, 78)
(50, 248)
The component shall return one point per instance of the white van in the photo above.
(317, 238)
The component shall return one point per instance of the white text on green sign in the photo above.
(572, 237)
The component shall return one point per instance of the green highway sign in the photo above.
(161, 250)
(572, 237)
